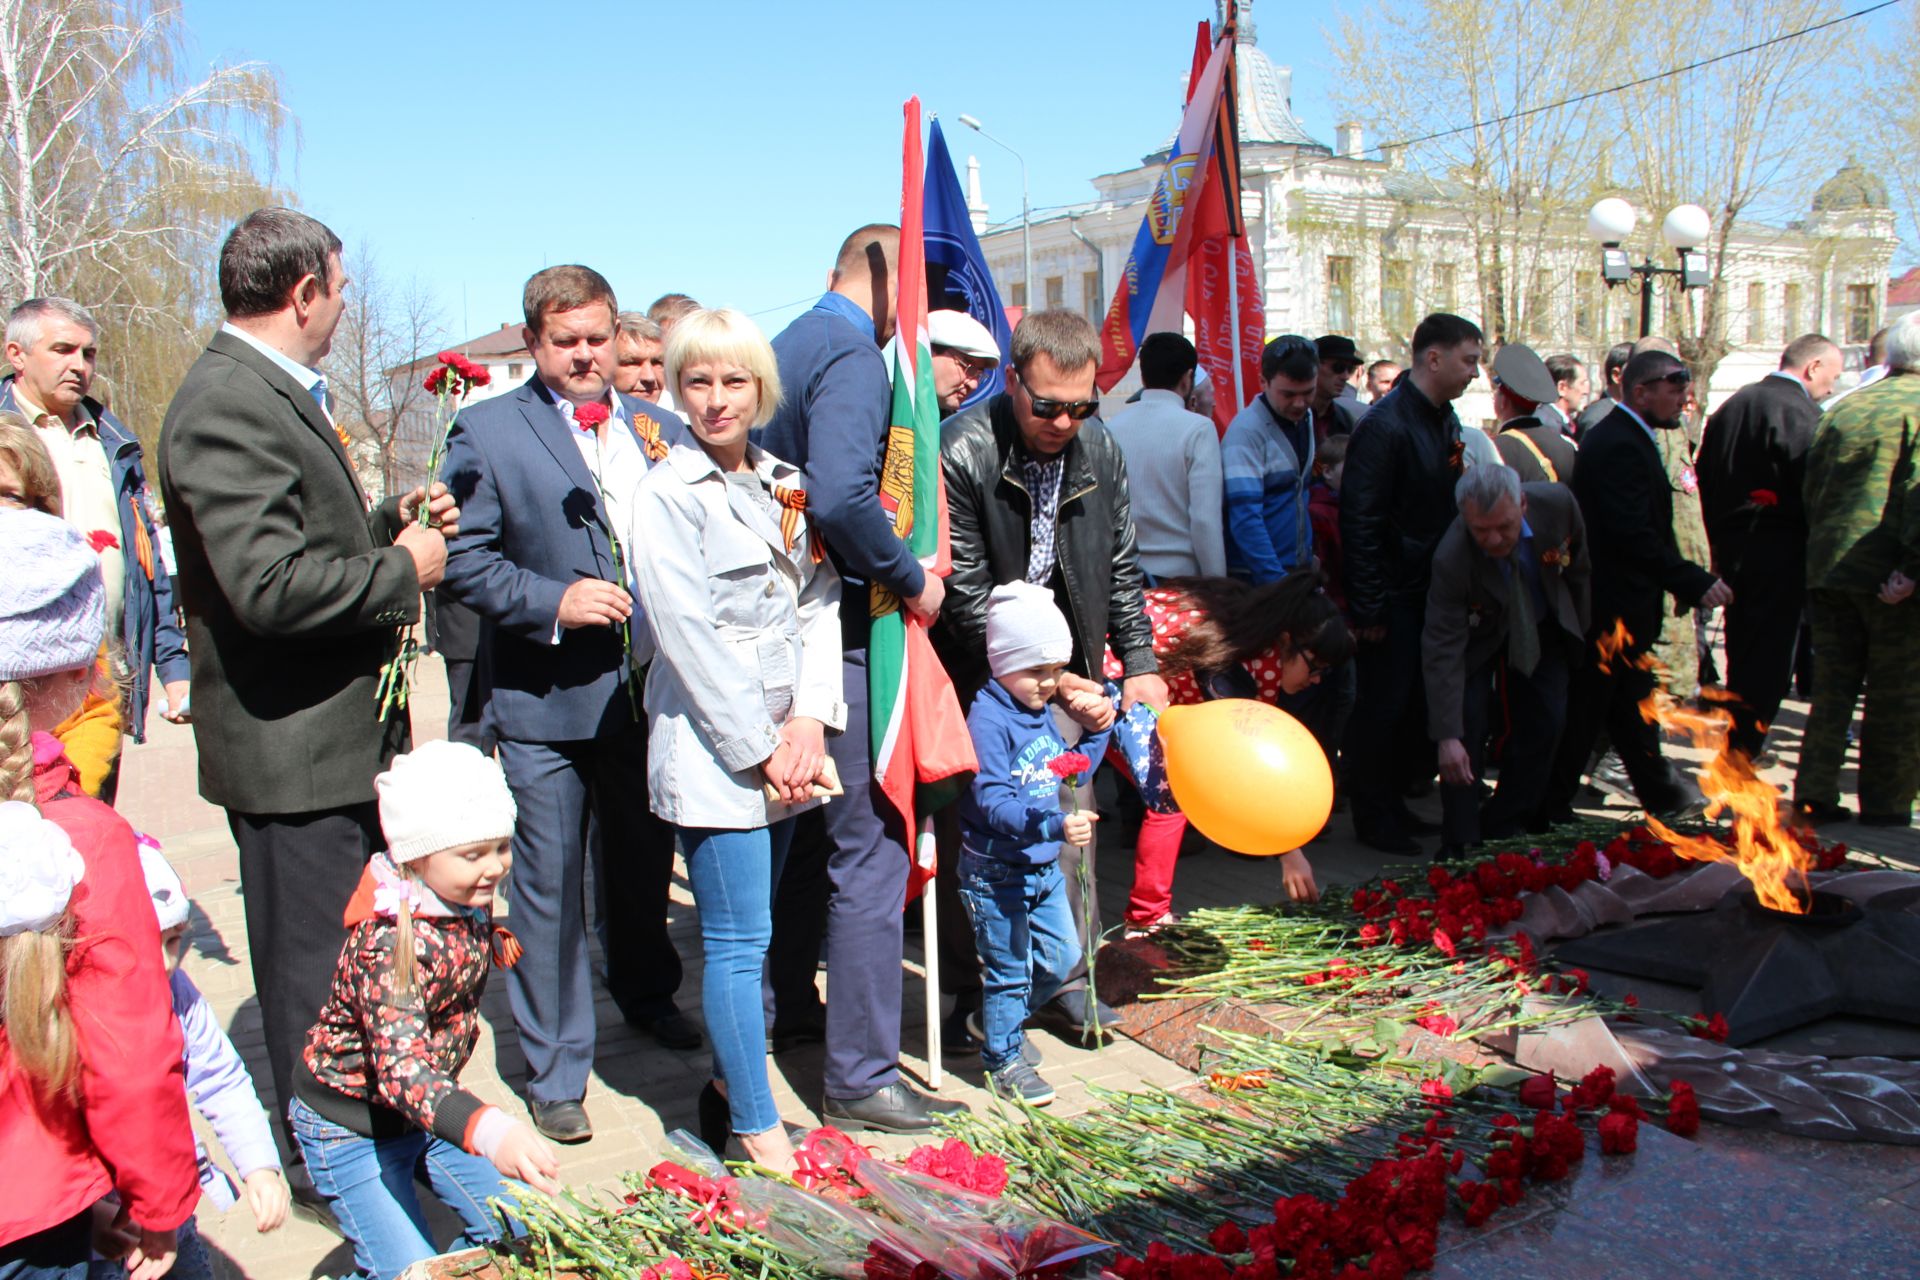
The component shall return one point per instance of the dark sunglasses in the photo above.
(1678, 378)
(1078, 410)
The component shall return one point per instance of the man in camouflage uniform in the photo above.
(1863, 554)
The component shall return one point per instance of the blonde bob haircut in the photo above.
(725, 337)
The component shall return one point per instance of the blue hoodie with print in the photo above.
(1012, 810)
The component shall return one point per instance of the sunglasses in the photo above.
(1678, 378)
(1078, 410)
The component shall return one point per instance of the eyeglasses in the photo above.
(974, 366)
(1078, 410)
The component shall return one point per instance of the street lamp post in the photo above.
(1686, 228)
(1026, 207)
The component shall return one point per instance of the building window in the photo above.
(1446, 287)
(1340, 295)
(515, 372)
(1587, 305)
(1018, 293)
(1792, 312)
(1756, 313)
(1862, 312)
(1096, 306)
(1396, 298)
(1056, 292)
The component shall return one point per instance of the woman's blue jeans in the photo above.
(368, 1183)
(733, 874)
(1028, 945)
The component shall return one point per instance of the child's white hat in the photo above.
(1025, 629)
(170, 901)
(442, 795)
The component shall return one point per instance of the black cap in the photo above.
(1335, 347)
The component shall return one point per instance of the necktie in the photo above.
(1523, 631)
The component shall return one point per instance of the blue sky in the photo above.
(721, 149)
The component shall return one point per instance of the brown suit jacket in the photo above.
(1467, 617)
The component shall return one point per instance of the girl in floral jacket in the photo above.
(377, 1099)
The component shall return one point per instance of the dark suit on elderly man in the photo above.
(1476, 689)
(1628, 504)
(1753, 459)
(572, 736)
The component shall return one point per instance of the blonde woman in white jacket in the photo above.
(744, 687)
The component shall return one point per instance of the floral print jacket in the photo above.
(379, 1062)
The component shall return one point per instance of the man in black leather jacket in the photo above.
(1002, 458)
(1396, 499)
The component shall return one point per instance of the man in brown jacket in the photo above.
(1505, 615)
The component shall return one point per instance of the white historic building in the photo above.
(1363, 247)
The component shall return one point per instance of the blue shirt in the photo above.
(1012, 809)
(1523, 555)
(1266, 462)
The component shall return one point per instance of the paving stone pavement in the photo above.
(640, 1090)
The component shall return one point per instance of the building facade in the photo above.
(1364, 247)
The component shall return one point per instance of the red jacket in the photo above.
(130, 1133)
(1323, 509)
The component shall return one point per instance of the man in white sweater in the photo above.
(1173, 467)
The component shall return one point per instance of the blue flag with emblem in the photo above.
(957, 275)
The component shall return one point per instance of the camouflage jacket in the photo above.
(1862, 491)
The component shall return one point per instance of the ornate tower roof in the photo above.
(1266, 91)
(1853, 187)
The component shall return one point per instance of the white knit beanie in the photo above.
(170, 901)
(39, 868)
(53, 609)
(442, 795)
(1025, 629)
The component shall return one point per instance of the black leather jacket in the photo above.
(989, 513)
(1396, 499)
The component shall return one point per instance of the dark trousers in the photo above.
(58, 1253)
(560, 787)
(297, 871)
(1609, 698)
(1515, 720)
(858, 861)
(960, 975)
(466, 699)
(1763, 634)
(1389, 708)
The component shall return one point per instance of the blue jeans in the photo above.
(368, 1183)
(191, 1262)
(733, 874)
(1028, 945)
(58, 1253)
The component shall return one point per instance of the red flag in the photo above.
(1223, 293)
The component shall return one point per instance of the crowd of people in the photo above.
(655, 569)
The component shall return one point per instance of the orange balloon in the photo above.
(1250, 776)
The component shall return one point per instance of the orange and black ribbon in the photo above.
(649, 432)
(793, 502)
(505, 947)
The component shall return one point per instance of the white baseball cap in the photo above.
(958, 331)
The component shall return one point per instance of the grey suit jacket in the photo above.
(1467, 619)
(292, 601)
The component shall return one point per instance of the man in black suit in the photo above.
(1523, 396)
(1506, 617)
(1628, 504)
(1753, 457)
(293, 606)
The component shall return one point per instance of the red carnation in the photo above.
(1619, 1133)
(1227, 1238)
(1714, 1028)
(1069, 765)
(588, 417)
(1764, 498)
(1536, 1093)
(1683, 1110)
(1594, 1090)
(100, 540)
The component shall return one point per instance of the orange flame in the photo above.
(1763, 848)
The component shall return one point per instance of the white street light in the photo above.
(1610, 221)
(1026, 207)
(1686, 228)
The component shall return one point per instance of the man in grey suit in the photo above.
(1506, 613)
(293, 605)
(545, 555)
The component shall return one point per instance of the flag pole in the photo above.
(924, 854)
(1233, 321)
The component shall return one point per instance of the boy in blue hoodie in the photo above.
(1012, 826)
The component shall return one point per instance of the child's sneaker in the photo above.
(1018, 1080)
(1028, 1054)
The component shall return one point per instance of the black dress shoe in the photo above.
(1386, 839)
(564, 1122)
(674, 1030)
(893, 1109)
(1819, 812)
(716, 1119)
(1886, 819)
(956, 1034)
(1066, 1016)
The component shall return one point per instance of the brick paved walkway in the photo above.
(640, 1090)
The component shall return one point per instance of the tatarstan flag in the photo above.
(919, 735)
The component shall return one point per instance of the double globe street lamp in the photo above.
(1686, 228)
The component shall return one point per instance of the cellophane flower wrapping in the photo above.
(833, 1238)
(984, 1238)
